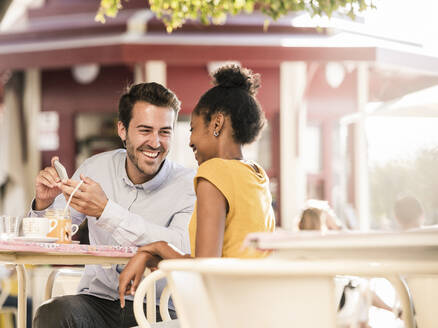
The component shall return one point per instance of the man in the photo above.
(131, 197)
(409, 213)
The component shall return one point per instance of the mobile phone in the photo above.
(60, 169)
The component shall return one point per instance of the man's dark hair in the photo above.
(408, 211)
(152, 93)
(234, 96)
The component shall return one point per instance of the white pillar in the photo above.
(32, 107)
(151, 71)
(139, 73)
(156, 72)
(361, 184)
(293, 80)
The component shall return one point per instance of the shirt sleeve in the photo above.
(124, 226)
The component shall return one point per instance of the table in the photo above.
(21, 253)
(386, 254)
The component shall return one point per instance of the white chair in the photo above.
(424, 290)
(232, 293)
(147, 287)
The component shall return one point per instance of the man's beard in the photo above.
(133, 156)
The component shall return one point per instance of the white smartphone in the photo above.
(60, 169)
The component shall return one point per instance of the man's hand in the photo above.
(89, 199)
(133, 273)
(47, 187)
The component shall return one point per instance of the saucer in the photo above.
(36, 239)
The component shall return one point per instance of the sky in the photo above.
(404, 19)
(399, 138)
(399, 20)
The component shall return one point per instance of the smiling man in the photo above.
(131, 197)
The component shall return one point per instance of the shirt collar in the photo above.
(150, 185)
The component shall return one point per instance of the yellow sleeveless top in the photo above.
(249, 200)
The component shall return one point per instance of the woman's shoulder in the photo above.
(213, 163)
(216, 169)
(240, 166)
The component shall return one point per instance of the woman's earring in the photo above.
(216, 134)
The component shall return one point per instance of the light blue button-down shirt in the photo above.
(135, 215)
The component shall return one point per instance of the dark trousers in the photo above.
(86, 311)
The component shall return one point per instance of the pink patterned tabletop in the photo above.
(98, 250)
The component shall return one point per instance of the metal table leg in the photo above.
(21, 275)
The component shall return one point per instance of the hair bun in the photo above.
(233, 76)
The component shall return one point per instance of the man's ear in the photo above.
(121, 131)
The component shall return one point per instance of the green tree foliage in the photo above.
(175, 12)
(415, 177)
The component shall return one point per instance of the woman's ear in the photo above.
(219, 122)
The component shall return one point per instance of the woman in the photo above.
(233, 197)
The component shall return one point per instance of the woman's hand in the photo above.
(133, 273)
(147, 256)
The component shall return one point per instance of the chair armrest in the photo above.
(164, 304)
(406, 300)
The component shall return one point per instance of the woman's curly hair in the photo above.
(234, 95)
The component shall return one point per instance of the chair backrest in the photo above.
(147, 287)
(424, 289)
(250, 293)
(63, 281)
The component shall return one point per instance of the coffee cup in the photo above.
(38, 226)
(65, 229)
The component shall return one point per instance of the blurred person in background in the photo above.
(318, 215)
(409, 213)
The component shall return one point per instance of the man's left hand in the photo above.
(89, 199)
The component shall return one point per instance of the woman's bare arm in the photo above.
(212, 208)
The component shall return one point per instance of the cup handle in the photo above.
(52, 226)
(74, 229)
